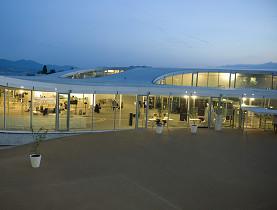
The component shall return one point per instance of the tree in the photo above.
(44, 70)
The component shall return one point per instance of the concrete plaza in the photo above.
(138, 169)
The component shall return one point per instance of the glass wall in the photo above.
(18, 109)
(103, 116)
(168, 80)
(194, 79)
(253, 81)
(142, 103)
(44, 110)
(2, 108)
(125, 111)
(222, 80)
(63, 111)
(275, 82)
(81, 107)
(187, 79)
(213, 79)
(158, 110)
(202, 80)
(178, 112)
(177, 79)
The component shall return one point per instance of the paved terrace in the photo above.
(138, 169)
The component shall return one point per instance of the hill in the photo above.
(27, 67)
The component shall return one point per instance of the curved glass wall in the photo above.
(22, 109)
(95, 73)
(221, 80)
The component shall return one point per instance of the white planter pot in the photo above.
(218, 122)
(193, 128)
(35, 160)
(159, 129)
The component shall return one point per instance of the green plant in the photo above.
(38, 136)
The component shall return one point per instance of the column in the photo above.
(5, 107)
(169, 109)
(92, 110)
(31, 110)
(57, 111)
(68, 112)
(146, 111)
(137, 111)
(210, 113)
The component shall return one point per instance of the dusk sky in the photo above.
(88, 33)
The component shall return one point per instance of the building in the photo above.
(108, 99)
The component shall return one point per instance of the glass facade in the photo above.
(18, 109)
(44, 110)
(254, 81)
(104, 111)
(202, 80)
(22, 109)
(95, 73)
(222, 80)
(178, 79)
(126, 109)
(81, 111)
(187, 79)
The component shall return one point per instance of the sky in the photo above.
(160, 33)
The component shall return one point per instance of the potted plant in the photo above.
(193, 128)
(159, 128)
(35, 156)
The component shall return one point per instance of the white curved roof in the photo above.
(133, 81)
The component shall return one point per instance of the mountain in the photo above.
(269, 65)
(27, 67)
